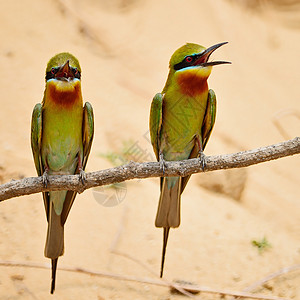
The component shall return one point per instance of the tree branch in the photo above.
(134, 170)
(192, 288)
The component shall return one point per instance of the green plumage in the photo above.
(60, 59)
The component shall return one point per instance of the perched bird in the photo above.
(62, 131)
(182, 117)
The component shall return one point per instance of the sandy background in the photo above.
(124, 48)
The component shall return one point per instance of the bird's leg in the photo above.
(45, 176)
(201, 155)
(82, 175)
(162, 162)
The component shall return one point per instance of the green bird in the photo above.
(182, 117)
(62, 131)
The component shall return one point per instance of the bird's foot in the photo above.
(202, 158)
(162, 163)
(82, 176)
(45, 178)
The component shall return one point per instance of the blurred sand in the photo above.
(124, 48)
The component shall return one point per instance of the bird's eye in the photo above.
(52, 71)
(76, 73)
(189, 59)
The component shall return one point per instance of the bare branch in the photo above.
(134, 170)
(195, 289)
(281, 272)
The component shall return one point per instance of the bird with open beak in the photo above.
(182, 117)
(62, 131)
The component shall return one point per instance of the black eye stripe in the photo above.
(51, 74)
(184, 63)
(76, 72)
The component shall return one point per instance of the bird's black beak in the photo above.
(65, 72)
(203, 57)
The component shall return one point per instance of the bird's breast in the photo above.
(63, 94)
(62, 125)
(192, 81)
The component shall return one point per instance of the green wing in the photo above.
(36, 145)
(206, 129)
(87, 131)
(155, 122)
(36, 137)
(209, 118)
(87, 138)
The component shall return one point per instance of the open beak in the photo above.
(65, 72)
(203, 57)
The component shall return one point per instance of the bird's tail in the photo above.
(168, 213)
(165, 240)
(55, 241)
(54, 266)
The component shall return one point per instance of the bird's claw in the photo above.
(82, 176)
(162, 163)
(162, 166)
(45, 178)
(202, 159)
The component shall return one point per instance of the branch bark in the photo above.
(134, 170)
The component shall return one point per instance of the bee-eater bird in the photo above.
(62, 131)
(182, 117)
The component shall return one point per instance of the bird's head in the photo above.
(190, 68)
(63, 84)
(63, 67)
(193, 55)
